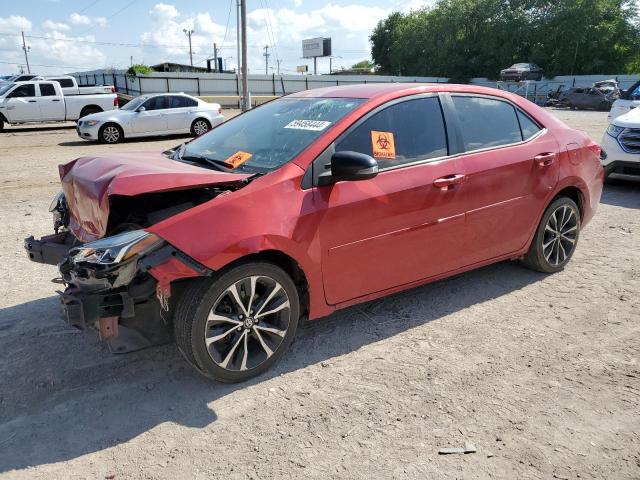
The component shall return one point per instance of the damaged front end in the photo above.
(118, 277)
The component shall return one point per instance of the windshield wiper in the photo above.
(209, 162)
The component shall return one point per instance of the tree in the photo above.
(140, 69)
(462, 39)
(363, 65)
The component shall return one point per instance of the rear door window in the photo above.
(402, 133)
(179, 101)
(24, 91)
(486, 123)
(47, 90)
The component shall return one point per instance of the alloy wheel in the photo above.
(560, 235)
(111, 134)
(200, 127)
(247, 323)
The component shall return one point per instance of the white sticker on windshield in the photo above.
(313, 125)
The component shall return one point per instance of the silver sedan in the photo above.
(152, 115)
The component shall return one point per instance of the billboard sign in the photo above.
(302, 68)
(316, 47)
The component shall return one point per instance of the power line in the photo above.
(112, 15)
(41, 65)
(226, 30)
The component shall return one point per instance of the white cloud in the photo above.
(57, 49)
(413, 5)
(282, 29)
(51, 25)
(83, 20)
(14, 23)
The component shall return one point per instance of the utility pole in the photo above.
(246, 100)
(266, 55)
(278, 61)
(215, 56)
(315, 65)
(26, 50)
(188, 33)
(240, 93)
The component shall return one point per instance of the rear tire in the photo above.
(556, 237)
(217, 337)
(1, 124)
(89, 111)
(200, 126)
(110, 133)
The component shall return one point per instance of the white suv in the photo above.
(629, 100)
(621, 145)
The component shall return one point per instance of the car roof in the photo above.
(392, 90)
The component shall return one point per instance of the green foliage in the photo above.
(139, 68)
(363, 65)
(462, 39)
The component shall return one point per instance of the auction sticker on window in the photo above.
(313, 125)
(237, 159)
(383, 144)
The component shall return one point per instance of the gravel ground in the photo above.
(539, 372)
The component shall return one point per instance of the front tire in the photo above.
(110, 133)
(199, 127)
(556, 237)
(240, 324)
(89, 111)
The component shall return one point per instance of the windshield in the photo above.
(266, 138)
(5, 88)
(135, 103)
(520, 65)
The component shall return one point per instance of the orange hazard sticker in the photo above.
(237, 159)
(383, 144)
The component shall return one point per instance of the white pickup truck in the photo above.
(70, 86)
(44, 101)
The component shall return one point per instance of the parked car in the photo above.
(629, 99)
(42, 101)
(591, 98)
(152, 115)
(519, 72)
(621, 146)
(320, 200)
(70, 86)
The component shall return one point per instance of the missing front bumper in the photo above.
(50, 249)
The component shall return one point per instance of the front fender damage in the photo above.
(130, 304)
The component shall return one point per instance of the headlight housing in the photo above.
(91, 123)
(118, 248)
(614, 130)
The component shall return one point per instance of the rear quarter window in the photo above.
(486, 123)
(529, 127)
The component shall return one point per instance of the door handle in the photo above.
(55, 100)
(448, 181)
(31, 101)
(545, 159)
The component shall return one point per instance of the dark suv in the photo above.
(521, 71)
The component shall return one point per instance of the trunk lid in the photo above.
(88, 182)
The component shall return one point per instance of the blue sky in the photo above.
(66, 35)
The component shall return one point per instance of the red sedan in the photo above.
(316, 201)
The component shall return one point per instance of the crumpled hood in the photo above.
(88, 182)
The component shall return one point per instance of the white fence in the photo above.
(203, 84)
(226, 84)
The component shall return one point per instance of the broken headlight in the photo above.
(118, 248)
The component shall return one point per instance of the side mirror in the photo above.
(141, 109)
(349, 166)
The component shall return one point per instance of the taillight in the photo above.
(595, 148)
(114, 89)
(115, 102)
(220, 110)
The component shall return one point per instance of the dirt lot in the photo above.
(539, 372)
